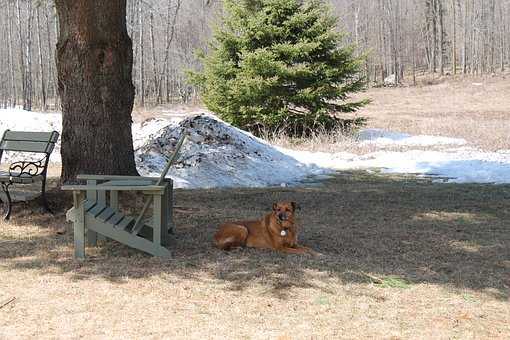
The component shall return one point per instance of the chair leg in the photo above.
(8, 204)
(44, 201)
(79, 227)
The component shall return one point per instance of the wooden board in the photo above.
(31, 136)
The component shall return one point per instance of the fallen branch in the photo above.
(6, 302)
(374, 279)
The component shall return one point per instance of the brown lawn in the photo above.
(402, 258)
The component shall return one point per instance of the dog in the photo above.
(275, 230)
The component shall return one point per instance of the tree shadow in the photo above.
(367, 227)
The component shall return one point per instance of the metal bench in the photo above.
(25, 171)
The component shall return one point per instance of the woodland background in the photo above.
(400, 38)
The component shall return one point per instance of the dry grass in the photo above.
(402, 258)
(476, 109)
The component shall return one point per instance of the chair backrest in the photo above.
(37, 142)
(172, 158)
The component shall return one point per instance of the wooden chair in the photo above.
(25, 171)
(96, 211)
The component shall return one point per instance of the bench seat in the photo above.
(14, 177)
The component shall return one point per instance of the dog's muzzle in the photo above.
(283, 217)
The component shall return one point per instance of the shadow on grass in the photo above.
(395, 232)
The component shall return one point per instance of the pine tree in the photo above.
(280, 65)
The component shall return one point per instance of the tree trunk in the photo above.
(94, 64)
(169, 36)
(141, 70)
(464, 46)
(40, 59)
(21, 54)
(51, 75)
(14, 97)
(441, 36)
(454, 37)
(154, 59)
(493, 35)
(502, 39)
(395, 42)
(29, 85)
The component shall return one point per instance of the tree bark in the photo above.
(51, 75)
(454, 37)
(29, 84)
(154, 58)
(14, 97)
(21, 55)
(465, 37)
(94, 65)
(42, 79)
(441, 36)
(141, 63)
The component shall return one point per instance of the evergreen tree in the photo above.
(280, 65)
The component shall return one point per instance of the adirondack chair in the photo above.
(96, 211)
(25, 172)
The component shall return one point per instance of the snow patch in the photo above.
(387, 138)
(217, 154)
(455, 165)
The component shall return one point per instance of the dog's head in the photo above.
(284, 211)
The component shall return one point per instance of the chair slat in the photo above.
(97, 210)
(125, 223)
(89, 205)
(115, 219)
(26, 146)
(106, 214)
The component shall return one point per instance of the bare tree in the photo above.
(10, 51)
(21, 55)
(401, 37)
(42, 89)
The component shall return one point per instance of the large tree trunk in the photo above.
(94, 64)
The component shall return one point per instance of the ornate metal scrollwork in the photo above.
(26, 168)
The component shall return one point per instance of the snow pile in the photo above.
(219, 155)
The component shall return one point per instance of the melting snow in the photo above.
(383, 137)
(219, 155)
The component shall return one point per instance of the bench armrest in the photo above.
(27, 168)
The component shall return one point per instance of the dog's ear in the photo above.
(295, 206)
(275, 205)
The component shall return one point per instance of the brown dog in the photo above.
(275, 231)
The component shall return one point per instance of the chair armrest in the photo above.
(148, 188)
(114, 177)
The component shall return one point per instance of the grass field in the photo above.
(402, 258)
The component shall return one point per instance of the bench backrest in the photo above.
(38, 142)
